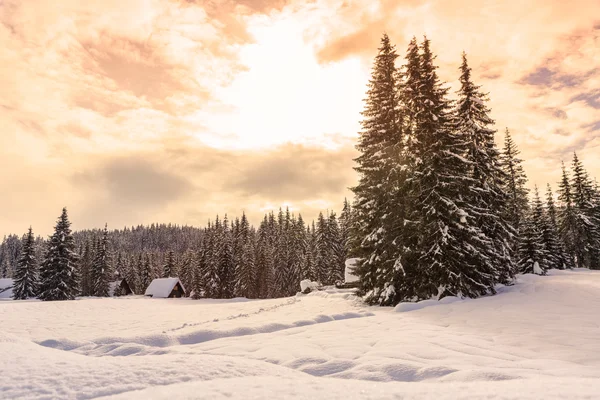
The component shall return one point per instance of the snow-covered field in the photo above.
(539, 339)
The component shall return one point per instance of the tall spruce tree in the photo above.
(379, 144)
(58, 273)
(169, 267)
(146, 274)
(453, 256)
(487, 197)
(336, 246)
(567, 220)
(26, 279)
(587, 236)
(245, 273)
(101, 274)
(518, 202)
(345, 221)
(324, 258)
(533, 257)
(558, 256)
(85, 268)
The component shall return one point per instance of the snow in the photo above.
(537, 269)
(536, 339)
(308, 284)
(162, 288)
(349, 277)
(6, 288)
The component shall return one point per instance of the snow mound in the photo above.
(405, 307)
(6, 288)
(308, 284)
(349, 276)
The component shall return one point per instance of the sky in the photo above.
(140, 111)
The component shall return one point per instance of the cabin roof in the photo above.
(163, 287)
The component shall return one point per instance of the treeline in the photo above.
(439, 210)
(223, 260)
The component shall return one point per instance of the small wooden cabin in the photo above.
(119, 287)
(164, 288)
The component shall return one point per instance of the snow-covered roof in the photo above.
(5, 292)
(162, 287)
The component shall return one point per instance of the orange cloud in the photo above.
(190, 108)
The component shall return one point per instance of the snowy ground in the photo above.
(539, 339)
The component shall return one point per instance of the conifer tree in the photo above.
(101, 275)
(379, 144)
(4, 268)
(26, 279)
(336, 246)
(169, 267)
(311, 254)
(587, 239)
(487, 197)
(225, 266)
(324, 257)
(567, 219)
(120, 272)
(146, 274)
(187, 271)
(453, 258)
(264, 259)
(518, 202)
(345, 221)
(209, 261)
(532, 254)
(559, 257)
(198, 286)
(245, 273)
(85, 268)
(58, 273)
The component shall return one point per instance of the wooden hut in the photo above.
(166, 288)
(120, 287)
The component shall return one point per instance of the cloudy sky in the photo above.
(140, 111)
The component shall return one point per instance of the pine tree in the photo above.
(311, 254)
(567, 220)
(101, 274)
(169, 267)
(118, 275)
(379, 144)
(26, 277)
(209, 261)
(559, 257)
(225, 265)
(518, 202)
(146, 274)
(345, 221)
(587, 236)
(487, 197)
(85, 269)
(324, 257)
(58, 273)
(264, 259)
(4, 268)
(187, 271)
(245, 273)
(532, 255)
(336, 246)
(453, 257)
(200, 268)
